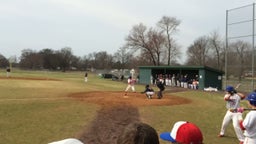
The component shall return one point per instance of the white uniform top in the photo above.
(234, 101)
(249, 124)
(131, 81)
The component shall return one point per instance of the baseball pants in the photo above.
(234, 117)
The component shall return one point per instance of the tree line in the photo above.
(145, 46)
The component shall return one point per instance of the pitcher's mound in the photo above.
(120, 98)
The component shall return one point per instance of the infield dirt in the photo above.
(117, 111)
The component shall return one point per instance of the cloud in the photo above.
(104, 11)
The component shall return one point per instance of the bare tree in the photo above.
(197, 52)
(240, 49)
(31, 59)
(175, 52)
(3, 61)
(122, 57)
(169, 25)
(138, 40)
(49, 59)
(149, 42)
(156, 43)
(218, 47)
(85, 63)
(65, 56)
(102, 60)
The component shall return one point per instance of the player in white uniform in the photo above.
(131, 82)
(232, 99)
(249, 123)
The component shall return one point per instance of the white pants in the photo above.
(249, 140)
(150, 93)
(185, 85)
(130, 86)
(8, 74)
(182, 84)
(234, 117)
(194, 86)
(85, 79)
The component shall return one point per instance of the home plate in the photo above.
(126, 96)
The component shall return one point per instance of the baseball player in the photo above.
(8, 70)
(86, 77)
(149, 92)
(131, 83)
(160, 85)
(248, 124)
(232, 99)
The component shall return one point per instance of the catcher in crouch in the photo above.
(149, 92)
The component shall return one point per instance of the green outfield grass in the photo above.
(39, 111)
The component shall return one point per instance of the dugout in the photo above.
(207, 77)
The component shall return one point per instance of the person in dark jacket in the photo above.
(161, 88)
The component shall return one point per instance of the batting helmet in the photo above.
(252, 98)
(230, 89)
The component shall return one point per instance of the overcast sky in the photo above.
(89, 26)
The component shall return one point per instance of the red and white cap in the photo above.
(183, 132)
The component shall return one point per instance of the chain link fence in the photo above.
(240, 49)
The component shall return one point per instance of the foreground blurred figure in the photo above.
(67, 141)
(138, 133)
(248, 124)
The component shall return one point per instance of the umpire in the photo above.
(161, 88)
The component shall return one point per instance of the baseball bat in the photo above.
(245, 109)
(237, 86)
(249, 109)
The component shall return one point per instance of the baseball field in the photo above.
(38, 107)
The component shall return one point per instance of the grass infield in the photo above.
(39, 110)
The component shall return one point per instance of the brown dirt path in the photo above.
(28, 78)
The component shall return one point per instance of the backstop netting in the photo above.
(240, 49)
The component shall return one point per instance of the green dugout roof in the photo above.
(182, 68)
(208, 77)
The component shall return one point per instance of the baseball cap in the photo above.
(67, 141)
(183, 132)
(230, 88)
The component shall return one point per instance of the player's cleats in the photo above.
(220, 135)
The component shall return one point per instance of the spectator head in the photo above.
(183, 133)
(138, 133)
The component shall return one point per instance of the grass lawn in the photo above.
(40, 111)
